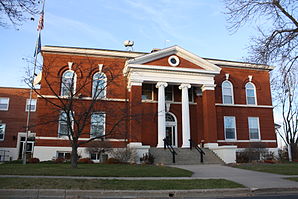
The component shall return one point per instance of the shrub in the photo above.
(85, 161)
(148, 158)
(33, 160)
(112, 161)
(124, 155)
(59, 160)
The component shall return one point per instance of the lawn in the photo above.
(293, 178)
(86, 184)
(103, 170)
(280, 168)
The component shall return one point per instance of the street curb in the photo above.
(61, 193)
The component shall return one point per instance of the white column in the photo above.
(161, 113)
(185, 115)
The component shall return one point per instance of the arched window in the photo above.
(227, 92)
(250, 90)
(99, 85)
(68, 83)
(170, 118)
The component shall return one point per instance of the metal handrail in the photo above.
(171, 149)
(202, 153)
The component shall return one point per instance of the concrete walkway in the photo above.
(250, 179)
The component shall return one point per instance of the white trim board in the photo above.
(245, 105)
(246, 141)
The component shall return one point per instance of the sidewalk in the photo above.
(250, 179)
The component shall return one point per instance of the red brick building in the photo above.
(169, 93)
(14, 106)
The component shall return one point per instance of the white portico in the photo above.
(196, 72)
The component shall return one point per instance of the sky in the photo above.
(198, 26)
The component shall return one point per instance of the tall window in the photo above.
(191, 94)
(4, 103)
(169, 93)
(147, 92)
(254, 128)
(97, 124)
(2, 131)
(227, 92)
(250, 93)
(68, 83)
(64, 128)
(230, 128)
(99, 85)
(31, 106)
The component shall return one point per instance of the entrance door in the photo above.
(171, 129)
(171, 135)
(30, 145)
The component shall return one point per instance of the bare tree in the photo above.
(277, 40)
(286, 95)
(16, 11)
(66, 99)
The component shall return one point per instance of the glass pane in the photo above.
(190, 94)
(147, 90)
(249, 86)
(251, 100)
(93, 156)
(1, 136)
(60, 155)
(97, 124)
(250, 92)
(227, 99)
(3, 106)
(253, 133)
(227, 91)
(169, 93)
(230, 133)
(169, 118)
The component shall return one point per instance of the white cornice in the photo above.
(173, 69)
(90, 52)
(244, 105)
(240, 64)
(83, 98)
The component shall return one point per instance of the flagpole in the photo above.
(31, 93)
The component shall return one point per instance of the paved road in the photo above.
(251, 179)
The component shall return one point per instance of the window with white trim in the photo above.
(227, 92)
(4, 103)
(64, 155)
(230, 127)
(250, 90)
(68, 83)
(97, 128)
(147, 92)
(2, 131)
(31, 106)
(169, 93)
(99, 85)
(64, 127)
(254, 128)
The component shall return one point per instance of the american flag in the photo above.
(40, 22)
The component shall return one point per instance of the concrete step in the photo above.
(184, 156)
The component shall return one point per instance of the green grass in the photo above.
(280, 168)
(84, 184)
(293, 179)
(104, 170)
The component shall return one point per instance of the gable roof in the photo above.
(177, 50)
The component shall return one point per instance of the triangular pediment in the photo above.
(186, 59)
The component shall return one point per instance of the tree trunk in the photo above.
(74, 156)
